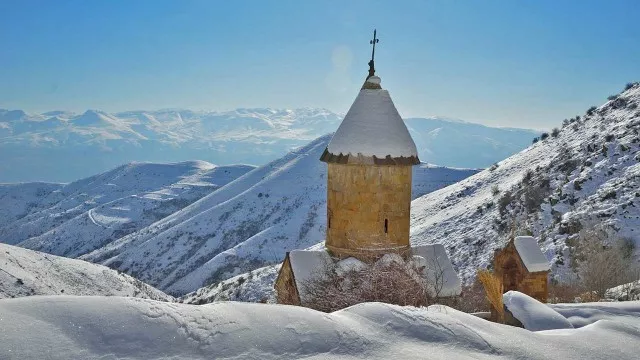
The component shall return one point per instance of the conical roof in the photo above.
(372, 132)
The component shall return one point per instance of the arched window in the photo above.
(386, 226)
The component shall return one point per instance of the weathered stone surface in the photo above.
(509, 266)
(360, 200)
(286, 290)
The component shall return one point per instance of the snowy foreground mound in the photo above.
(98, 327)
(533, 314)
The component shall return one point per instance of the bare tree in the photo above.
(602, 261)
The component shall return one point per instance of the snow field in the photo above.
(64, 327)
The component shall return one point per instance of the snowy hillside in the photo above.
(247, 224)
(457, 143)
(589, 171)
(109, 328)
(63, 146)
(25, 272)
(253, 286)
(20, 199)
(79, 217)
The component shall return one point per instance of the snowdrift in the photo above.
(533, 314)
(98, 327)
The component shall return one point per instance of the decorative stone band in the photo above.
(368, 254)
(367, 160)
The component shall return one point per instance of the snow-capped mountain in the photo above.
(250, 222)
(26, 272)
(457, 143)
(76, 218)
(63, 146)
(253, 286)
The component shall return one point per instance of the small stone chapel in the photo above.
(369, 162)
(522, 266)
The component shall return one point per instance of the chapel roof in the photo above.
(372, 132)
(530, 253)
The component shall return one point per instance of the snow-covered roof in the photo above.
(372, 128)
(307, 264)
(438, 267)
(530, 253)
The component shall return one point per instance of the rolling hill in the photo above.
(25, 272)
(72, 219)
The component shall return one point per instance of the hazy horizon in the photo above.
(499, 63)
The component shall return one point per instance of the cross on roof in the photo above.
(374, 41)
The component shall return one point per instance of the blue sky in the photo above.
(509, 63)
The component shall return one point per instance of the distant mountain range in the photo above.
(62, 146)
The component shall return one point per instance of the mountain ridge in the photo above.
(95, 141)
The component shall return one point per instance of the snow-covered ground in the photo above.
(64, 146)
(26, 272)
(253, 286)
(20, 199)
(67, 327)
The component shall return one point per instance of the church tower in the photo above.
(369, 161)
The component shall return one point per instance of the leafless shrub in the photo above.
(391, 283)
(602, 261)
(473, 299)
(564, 292)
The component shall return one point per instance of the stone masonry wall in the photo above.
(286, 291)
(359, 200)
(515, 276)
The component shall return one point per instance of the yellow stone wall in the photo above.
(359, 199)
(286, 291)
(508, 265)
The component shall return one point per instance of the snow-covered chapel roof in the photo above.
(372, 132)
(530, 253)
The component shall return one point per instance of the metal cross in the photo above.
(374, 42)
(372, 69)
